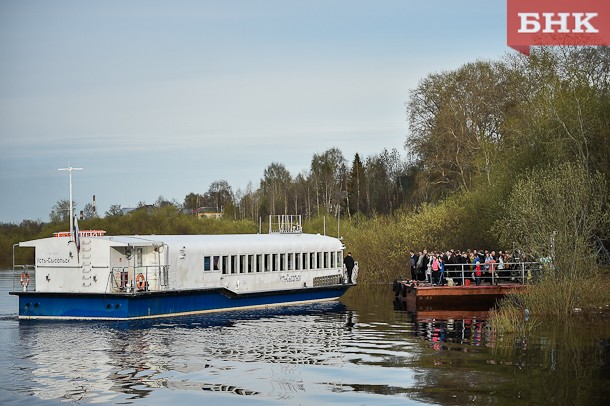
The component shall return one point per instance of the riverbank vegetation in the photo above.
(512, 154)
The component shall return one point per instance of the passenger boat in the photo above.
(88, 275)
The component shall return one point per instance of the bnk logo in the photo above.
(557, 22)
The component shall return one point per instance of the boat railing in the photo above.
(522, 273)
(285, 224)
(24, 277)
(139, 279)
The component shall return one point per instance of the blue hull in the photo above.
(129, 306)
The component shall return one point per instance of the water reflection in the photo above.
(565, 363)
(364, 350)
(80, 361)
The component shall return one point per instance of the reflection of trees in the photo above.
(562, 365)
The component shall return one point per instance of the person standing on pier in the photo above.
(413, 263)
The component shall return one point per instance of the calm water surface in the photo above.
(361, 350)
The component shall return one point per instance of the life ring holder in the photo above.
(140, 282)
(25, 279)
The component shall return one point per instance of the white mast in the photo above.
(70, 169)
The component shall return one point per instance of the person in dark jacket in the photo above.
(413, 263)
(348, 261)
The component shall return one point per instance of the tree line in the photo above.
(375, 185)
(476, 134)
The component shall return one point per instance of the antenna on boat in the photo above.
(70, 169)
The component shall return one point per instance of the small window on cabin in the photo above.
(297, 261)
(250, 263)
(225, 264)
(290, 262)
(267, 264)
(216, 261)
(282, 261)
(305, 261)
(332, 259)
(339, 258)
(320, 262)
(259, 262)
(234, 268)
(274, 263)
(312, 260)
(207, 263)
(326, 255)
(242, 264)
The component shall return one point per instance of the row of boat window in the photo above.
(293, 261)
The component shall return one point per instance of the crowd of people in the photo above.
(437, 268)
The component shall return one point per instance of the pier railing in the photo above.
(511, 272)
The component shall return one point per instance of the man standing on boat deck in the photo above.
(348, 261)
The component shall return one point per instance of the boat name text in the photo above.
(290, 278)
(44, 261)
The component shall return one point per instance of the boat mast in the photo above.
(70, 169)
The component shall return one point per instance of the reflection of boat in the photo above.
(94, 276)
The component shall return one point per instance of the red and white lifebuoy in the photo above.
(25, 279)
(140, 281)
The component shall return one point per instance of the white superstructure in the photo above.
(240, 263)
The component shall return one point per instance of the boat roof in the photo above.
(220, 242)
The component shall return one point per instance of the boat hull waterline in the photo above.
(126, 306)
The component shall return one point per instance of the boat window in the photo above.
(282, 261)
(319, 263)
(259, 262)
(242, 264)
(216, 263)
(312, 260)
(250, 263)
(234, 268)
(339, 258)
(139, 257)
(305, 261)
(297, 261)
(290, 261)
(207, 264)
(267, 263)
(225, 264)
(333, 257)
(274, 263)
(325, 256)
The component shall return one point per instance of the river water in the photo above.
(361, 350)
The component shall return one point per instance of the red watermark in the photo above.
(557, 22)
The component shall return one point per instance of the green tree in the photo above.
(193, 201)
(328, 171)
(356, 187)
(89, 211)
(114, 210)
(274, 187)
(61, 211)
(219, 195)
(555, 211)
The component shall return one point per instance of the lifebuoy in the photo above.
(140, 281)
(25, 279)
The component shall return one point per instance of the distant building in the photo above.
(208, 212)
(128, 210)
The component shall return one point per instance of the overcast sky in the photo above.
(164, 97)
